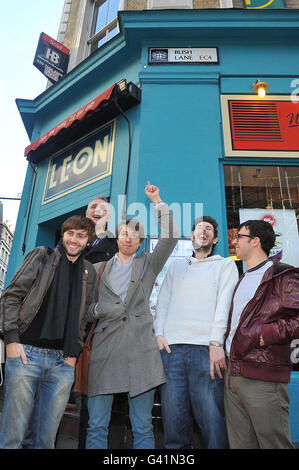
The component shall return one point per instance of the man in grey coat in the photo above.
(124, 355)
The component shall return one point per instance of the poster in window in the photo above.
(183, 249)
(285, 226)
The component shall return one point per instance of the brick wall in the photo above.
(68, 23)
(238, 3)
(198, 4)
(136, 5)
(291, 3)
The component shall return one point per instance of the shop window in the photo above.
(183, 249)
(270, 193)
(105, 23)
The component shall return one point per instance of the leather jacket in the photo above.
(273, 312)
(103, 251)
(24, 295)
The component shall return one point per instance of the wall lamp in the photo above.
(260, 88)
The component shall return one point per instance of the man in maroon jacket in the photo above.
(263, 321)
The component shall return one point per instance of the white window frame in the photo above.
(83, 36)
(103, 33)
(226, 4)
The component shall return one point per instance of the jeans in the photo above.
(140, 407)
(191, 391)
(42, 385)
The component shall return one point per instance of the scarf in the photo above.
(63, 301)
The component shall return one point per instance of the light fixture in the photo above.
(260, 88)
(122, 85)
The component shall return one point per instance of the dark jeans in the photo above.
(41, 386)
(140, 407)
(191, 391)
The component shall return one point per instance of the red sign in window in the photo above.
(264, 125)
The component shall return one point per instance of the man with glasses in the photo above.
(191, 319)
(263, 321)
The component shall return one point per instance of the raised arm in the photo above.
(169, 230)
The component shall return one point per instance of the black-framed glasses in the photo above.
(240, 235)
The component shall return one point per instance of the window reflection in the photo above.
(268, 192)
(106, 26)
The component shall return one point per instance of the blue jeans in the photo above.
(190, 391)
(140, 407)
(42, 385)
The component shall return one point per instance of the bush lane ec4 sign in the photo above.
(183, 55)
(84, 162)
(51, 58)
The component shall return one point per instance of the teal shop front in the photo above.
(193, 71)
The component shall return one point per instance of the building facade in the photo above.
(6, 238)
(88, 24)
(168, 95)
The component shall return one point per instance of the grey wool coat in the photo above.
(124, 354)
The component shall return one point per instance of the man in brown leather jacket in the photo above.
(43, 315)
(263, 321)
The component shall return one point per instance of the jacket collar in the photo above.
(137, 268)
(276, 269)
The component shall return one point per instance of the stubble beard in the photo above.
(206, 249)
(73, 255)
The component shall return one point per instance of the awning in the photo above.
(101, 109)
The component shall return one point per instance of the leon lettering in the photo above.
(80, 163)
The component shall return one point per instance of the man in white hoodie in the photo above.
(191, 319)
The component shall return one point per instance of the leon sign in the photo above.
(88, 160)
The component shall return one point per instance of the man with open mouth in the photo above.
(191, 319)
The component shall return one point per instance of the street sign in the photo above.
(51, 58)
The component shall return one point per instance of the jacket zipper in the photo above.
(241, 317)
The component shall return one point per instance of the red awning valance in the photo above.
(77, 116)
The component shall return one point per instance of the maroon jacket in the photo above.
(273, 312)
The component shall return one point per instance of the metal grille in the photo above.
(252, 120)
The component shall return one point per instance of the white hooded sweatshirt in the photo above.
(194, 300)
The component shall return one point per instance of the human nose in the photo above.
(74, 238)
(103, 212)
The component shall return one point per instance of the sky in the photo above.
(20, 26)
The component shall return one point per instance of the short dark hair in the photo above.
(133, 224)
(263, 230)
(210, 220)
(79, 222)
